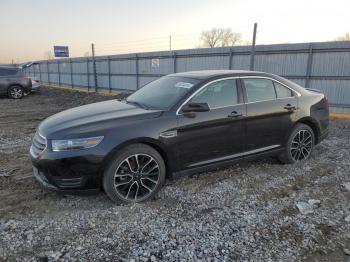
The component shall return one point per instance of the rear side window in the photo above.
(219, 94)
(259, 89)
(8, 71)
(282, 91)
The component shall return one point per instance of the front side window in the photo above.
(219, 94)
(282, 91)
(259, 90)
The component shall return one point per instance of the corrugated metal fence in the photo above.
(324, 66)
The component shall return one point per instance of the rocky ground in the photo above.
(255, 211)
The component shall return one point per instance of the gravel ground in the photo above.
(255, 211)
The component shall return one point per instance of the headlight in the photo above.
(80, 143)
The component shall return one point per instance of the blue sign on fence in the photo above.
(61, 51)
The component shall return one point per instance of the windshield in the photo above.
(162, 93)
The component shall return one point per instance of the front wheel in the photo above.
(15, 92)
(135, 174)
(299, 145)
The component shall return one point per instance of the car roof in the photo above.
(204, 74)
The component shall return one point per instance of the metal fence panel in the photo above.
(64, 67)
(80, 80)
(325, 66)
(240, 62)
(165, 66)
(337, 91)
(331, 64)
(202, 63)
(123, 82)
(79, 67)
(123, 66)
(66, 80)
(282, 64)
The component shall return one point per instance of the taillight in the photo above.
(327, 102)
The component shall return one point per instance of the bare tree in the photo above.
(345, 37)
(220, 37)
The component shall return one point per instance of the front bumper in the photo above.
(68, 171)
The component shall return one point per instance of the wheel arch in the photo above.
(155, 144)
(312, 123)
(16, 84)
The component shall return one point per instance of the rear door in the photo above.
(271, 108)
(207, 137)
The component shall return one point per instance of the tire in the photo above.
(299, 145)
(135, 174)
(15, 92)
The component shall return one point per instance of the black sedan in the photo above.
(180, 123)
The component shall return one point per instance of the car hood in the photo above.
(92, 117)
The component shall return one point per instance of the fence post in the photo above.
(137, 71)
(230, 60)
(109, 74)
(252, 52)
(309, 66)
(94, 66)
(59, 73)
(48, 72)
(71, 73)
(34, 70)
(88, 73)
(174, 60)
(40, 72)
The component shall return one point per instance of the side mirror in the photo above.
(195, 107)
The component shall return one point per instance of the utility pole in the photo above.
(170, 42)
(252, 52)
(94, 65)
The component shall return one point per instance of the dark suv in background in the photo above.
(13, 82)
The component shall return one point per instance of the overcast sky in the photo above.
(29, 28)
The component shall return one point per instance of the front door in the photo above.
(206, 137)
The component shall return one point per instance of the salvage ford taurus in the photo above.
(180, 123)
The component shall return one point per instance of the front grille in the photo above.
(38, 145)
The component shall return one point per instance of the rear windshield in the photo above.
(8, 71)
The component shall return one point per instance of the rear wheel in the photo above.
(135, 174)
(299, 145)
(15, 92)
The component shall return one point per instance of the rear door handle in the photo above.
(234, 114)
(289, 107)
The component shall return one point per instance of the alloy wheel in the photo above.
(136, 177)
(16, 92)
(301, 145)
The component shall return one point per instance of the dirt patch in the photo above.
(246, 212)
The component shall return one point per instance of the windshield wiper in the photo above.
(137, 103)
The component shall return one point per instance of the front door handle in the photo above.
(234, 114)
(289, 107)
